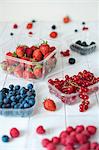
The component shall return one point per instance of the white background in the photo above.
(48, 9)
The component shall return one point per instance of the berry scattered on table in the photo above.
(33, 21)
(14, 132)
(66, 19)
(5, 138)
(79, 84)
(71, 61)
(29, 25)
(11, 34)
(53, 27)
(15, 26)
(40, 130)
(85, 28)
(76, 30)
(65, 53)
(70, 139)
(53, 34)
(83, 23)
(49, 104)
(30, 33)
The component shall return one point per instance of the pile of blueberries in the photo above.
(83, 48)
(17, 97)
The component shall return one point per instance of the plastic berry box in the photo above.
(74, 97)
(17, 107)
(25, 69)
(88, 42)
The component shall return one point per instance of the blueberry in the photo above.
(12, 98)
(11, 86)
(16, 106)
(92, 43)
(13, 104)
(29, 93)
(5, 90)
(83, 23)
(17, 87)
(22, 90)
(30, 86)
(2, 96)
(31, 102)
(21, 100)
(33, 21)
(6, 100)
(3, 106)
(18, 97)
(78, 42)
(21, 105)
(84, 44)
(76, 30)
(53, 27)
(5, 138)
(72, 61)
(8, 106)
(26, 105)
(11, 34)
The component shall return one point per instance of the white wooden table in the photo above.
(54, 122)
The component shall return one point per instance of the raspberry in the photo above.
(40, 130)
(15, 26)
(14, 132)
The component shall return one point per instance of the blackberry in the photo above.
(76, 30)
(83, 23)
(33, 21)
(92, 43)
(11, 34)
(78, 42)
(53, 27)
(72, 61)
(84, 44)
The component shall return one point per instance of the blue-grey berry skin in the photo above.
(26, 105)
(31, 102)
(3, 106)
(22, 91)
(30, 86)
(18, 97)
(5, 90)
(8, 106)
(13, 104)
(29, 93)
(11, 86)
(5, 138)
(6, 100)
(12, 98)
(17, 87)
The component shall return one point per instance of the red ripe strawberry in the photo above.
(37, 55)
(29, 52)
(28, 74)
(25, 58)
(20, 50)
(18, 71)
(29, 25)
(49, 104)
(44, 48)
(34, 47)
(37, 71)
(53, 34)
(66, 19)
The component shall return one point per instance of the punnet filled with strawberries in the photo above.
(30, 62)
(74, 88)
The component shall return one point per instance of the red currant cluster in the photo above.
(65, 53)
(77, 84)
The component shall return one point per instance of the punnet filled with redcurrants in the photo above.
(29, 61)
(72, 89)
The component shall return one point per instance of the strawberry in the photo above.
(37, 71)
(49, 104)
(34, 47)
(53, 34)
(37, 55)
(47, 54)
(18, 71)
(9, 60)
(66, 19)
(29, 52)
(29, 25)
(44, 48)
(20, 50)
(28, 74)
